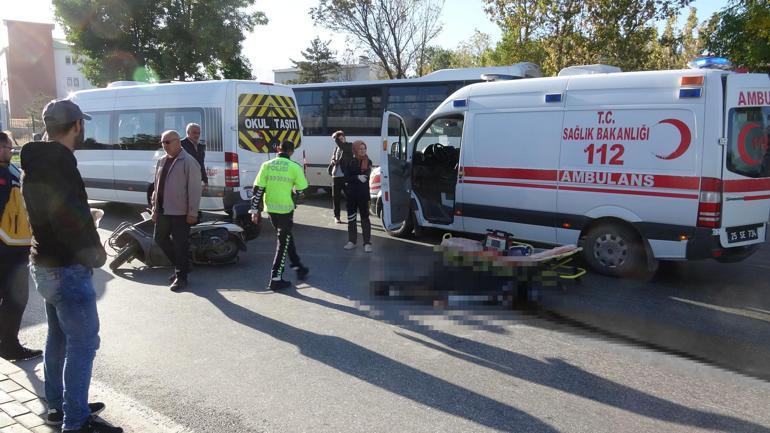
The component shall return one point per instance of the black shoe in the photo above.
(56, 417)
(19, 353)
(278, 285)
(178, 284)
(301, 271)
(96, 426)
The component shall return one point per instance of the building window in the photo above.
(69, 81)
(77, 82)
(68, 60)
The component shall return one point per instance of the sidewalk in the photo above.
(20, 407)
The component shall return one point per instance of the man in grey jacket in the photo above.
(175, 202)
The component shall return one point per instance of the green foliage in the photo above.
(319, 64)
(560, 33)
(159, 39)
(741, 32)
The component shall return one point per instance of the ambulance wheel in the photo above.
(403, 230)
(615, 250)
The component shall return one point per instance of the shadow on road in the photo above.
(383, 372)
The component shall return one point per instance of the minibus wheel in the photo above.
(403, 230)
(616, 250)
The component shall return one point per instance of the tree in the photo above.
(396, 32)
(474, 52)
(319, 63)
(168, 39)
(558, 33)
(741, 32)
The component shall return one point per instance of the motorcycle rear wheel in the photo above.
(124, 255)
(227, 253)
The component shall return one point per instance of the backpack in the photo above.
(14, 223)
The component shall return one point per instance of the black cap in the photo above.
(62, 112)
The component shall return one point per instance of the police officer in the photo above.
(275, 186)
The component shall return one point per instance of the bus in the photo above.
(357, 107)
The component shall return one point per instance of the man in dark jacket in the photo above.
(65, 249)
(192, 145)
(14, 256)
(341, 156)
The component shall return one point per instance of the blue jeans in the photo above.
(73, 338)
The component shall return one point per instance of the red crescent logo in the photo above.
(684, 144)
(742, 151)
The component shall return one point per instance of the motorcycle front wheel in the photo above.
(124, 255)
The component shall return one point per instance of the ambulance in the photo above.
(635, 167)
(241, 123)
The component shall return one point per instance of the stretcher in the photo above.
(489, 277)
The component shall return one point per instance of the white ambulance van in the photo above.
(635, 166)
(241, 122)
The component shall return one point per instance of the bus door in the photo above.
(266, 117)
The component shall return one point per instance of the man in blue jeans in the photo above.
(65, 249)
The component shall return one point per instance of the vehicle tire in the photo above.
(403, 230)
(226, 252)
(615, 250)
(125, 254)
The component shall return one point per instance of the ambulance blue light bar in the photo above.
(553, 97)
(711, 63)
(689, 93)
(457, 103)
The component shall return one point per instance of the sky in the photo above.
(290, 28)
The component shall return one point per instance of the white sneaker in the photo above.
(368, 248)
(337, 220)
(349, 245)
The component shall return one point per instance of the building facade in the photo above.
(362, 71)
(34, 68)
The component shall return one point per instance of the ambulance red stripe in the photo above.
(583, 189)
(746, 185)
(661, 181)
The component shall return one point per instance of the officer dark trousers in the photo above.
(283, 224)
(358, 204)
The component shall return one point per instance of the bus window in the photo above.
(310, 103)
(97, 132)
(415, 103)
(137, 131)
(355, 110)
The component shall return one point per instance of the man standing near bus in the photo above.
(65, 250)
(341, 157)
(192, 145)
(175, 203)
(276, 185)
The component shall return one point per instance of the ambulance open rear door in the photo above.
(746, 171)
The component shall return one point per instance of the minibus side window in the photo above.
(138, 131)
(97, 132)
(179, 119)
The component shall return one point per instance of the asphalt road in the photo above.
(685, 352)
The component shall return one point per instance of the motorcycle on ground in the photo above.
(211, 242)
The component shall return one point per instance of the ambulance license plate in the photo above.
(743, 233)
